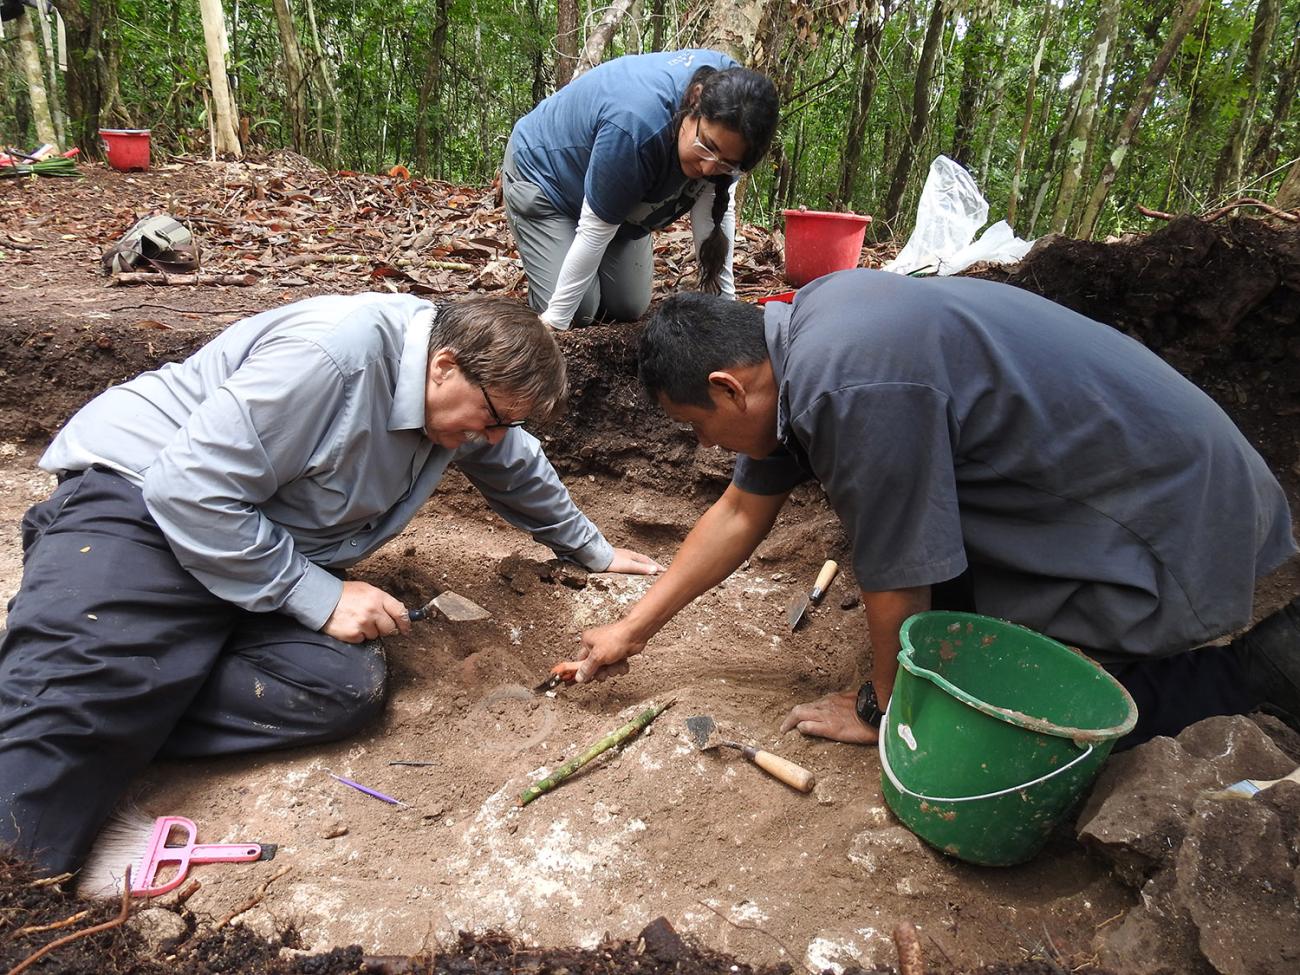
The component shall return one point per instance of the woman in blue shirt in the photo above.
(625, 149)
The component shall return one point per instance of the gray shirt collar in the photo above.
(412, 373)
(776, 333)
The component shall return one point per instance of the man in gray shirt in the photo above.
(183, 589)
(986, 450)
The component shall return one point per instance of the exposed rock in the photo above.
(1236, 877)
(1219, 875)
(1155, 938)
(161, 929)
(525, 574)
(1139, 811)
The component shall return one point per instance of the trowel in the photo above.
(704, 733)
(452, 607)
(799, 602)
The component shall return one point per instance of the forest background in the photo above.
(1070, 116)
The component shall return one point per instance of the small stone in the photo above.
(851, 601)
(161, 929)
(333, 831)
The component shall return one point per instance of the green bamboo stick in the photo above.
(614, 738)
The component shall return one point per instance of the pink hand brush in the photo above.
(149, 843)
(160, 854)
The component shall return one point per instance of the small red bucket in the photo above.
(127, 148)
(817, 243)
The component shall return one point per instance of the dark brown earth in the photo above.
(1220, 301)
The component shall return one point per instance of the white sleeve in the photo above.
(579, 267)
(702, 226)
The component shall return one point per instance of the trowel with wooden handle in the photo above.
(451, 606)
(798, 607)
(704, 733)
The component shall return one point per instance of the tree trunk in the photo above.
(85, 22)
(1227, 173)
(920, 110)
(566, 41)
(29, 55)
(1265, 153)
(321, 67)
(733, 27)
(294, 76)
(867, 42)
(1027, 123)
(429, 115)
(973, 78)
(52, 80)
(658, 22)
(1006, 71)
(594, 50)
(223, 100)
(1288, 194)
(1186, 16)
(1077, 141)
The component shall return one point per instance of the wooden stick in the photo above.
(625, 733)
(158, 277)
(297, 259)
(910, 960)
(67, 922)
(49, 881)
(68, 939)
(1248, 201)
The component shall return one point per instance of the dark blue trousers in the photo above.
(114, 654)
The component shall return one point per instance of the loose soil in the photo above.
(734, 860)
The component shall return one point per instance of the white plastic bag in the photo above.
(949, 213)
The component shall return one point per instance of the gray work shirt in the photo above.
(294, 441)
(1094, 493)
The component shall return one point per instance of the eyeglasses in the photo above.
(497, 423)
(708, 155)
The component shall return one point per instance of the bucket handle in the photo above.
(893, 779)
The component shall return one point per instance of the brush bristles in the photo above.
(122, 842)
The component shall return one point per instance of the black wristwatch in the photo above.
(868, 707)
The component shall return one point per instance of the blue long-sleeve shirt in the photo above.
(293, 443)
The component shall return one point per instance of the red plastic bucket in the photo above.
(817, 243)
(127, 148)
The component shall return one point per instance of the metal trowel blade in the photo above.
(458, 609)
(701, 728)
(795, 609)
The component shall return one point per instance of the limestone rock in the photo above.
(161, 929)
(1140, 808)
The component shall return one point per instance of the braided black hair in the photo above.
(745, 102)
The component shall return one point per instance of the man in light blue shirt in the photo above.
(183, 587)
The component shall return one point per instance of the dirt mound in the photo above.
(1219, 301)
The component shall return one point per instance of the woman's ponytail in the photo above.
(745, 102)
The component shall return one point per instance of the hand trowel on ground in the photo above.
(452, 607)
(799, 602)
(704, 733)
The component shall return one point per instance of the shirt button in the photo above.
(353, 543)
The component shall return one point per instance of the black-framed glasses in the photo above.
(497, 423)
(725, 167)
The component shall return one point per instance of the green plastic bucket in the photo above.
(992, 734)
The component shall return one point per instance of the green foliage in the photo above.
(495, 56)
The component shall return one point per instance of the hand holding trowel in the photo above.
(704, 733)
(452, 607)
(565, 672)
(799, 603)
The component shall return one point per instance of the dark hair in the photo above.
(504, 345)
(745, 102)
(691, 335)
